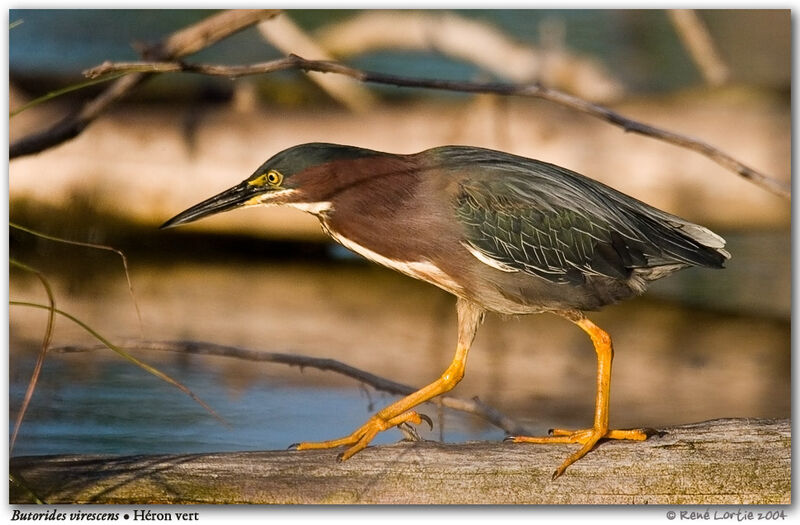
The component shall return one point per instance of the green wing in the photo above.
(525, 215)
(521, 228)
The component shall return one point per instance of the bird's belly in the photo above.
(522, 293)
(423, 270)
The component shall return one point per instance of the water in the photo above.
(122, 410)
(677, 360)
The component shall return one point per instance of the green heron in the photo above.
(502, 233)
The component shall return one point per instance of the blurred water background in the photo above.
(700, 345)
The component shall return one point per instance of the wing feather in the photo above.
(544, 220)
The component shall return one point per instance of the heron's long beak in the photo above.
(227, 200)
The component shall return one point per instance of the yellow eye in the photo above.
(274, 178)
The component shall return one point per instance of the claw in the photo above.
(509, 439)
(340, 457)
(427, 420)
(293, 446)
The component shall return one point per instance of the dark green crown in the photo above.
(299, 158)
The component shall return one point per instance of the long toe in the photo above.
(588, 438)
(588, 445)
(361, 437)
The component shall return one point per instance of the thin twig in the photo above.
(525, 90)
(470, 406)
(179, 44)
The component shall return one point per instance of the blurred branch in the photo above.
(470, 406)
(476, 41)
(525, 90)
(179, 44)
(698, 42)
(286, 36)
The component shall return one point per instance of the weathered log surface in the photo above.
(726, 461)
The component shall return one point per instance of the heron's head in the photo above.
(299, 176)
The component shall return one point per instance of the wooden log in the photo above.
(726, 461)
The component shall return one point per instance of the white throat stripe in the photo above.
(314, 208)
(423, 270)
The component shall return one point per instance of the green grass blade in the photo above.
(97, 247)
(62, 91)
(111, 346)
(48, 335)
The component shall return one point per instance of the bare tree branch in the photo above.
(525, 90)
(179, 44)
(471, 406)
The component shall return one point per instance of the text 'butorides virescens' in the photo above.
(502, 233)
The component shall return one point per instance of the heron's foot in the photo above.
(361, 437)
(586, 437)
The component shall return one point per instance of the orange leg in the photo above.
(589, 437)
(469, 318)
